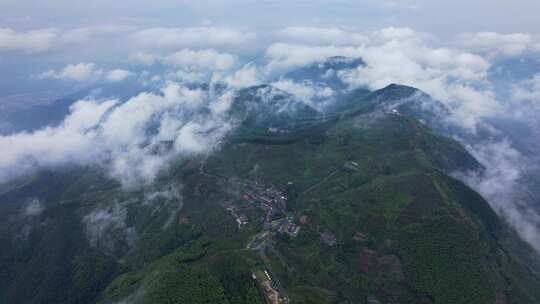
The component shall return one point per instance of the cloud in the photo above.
(125, 37)
(106, 228)
(72, 141)
(122, 137)
(322, 35)
(399, 34)
(501, 185)
(143, 58)
(527, 90)
(244, 77)
(308, 92)
(117, 75)
(173, 37)
(189, 76)
(197, 66)
(495, 43)
(471, 106)
(86, 72)
(31, 42)
(45, 39)
(187, 59)
(78, 72)
(285, 55)
(84, 34)
(33, 208)
(206, 59)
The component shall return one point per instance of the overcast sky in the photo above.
(436, 16)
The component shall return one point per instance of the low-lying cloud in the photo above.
(31, 41)
(124, 136)
(174, 37)
(208, 59)
(322, 36)
(45, 39)
(87, 72)
(502, 184)
(494, 43)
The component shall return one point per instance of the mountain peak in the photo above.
(399, 89)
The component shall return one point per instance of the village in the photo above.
(268, 198)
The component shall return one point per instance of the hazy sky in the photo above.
(435, 16)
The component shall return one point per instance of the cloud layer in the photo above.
(127, 138)
(31, 42)
(86, 72)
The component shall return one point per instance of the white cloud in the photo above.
(305, 91)
(285, 55)
(188, 59)
(245, 77)
(106, 228)
(495, 43)
(189, 76)
(322, 35)
(33, 208)
(118, 75)
(501, 185)
(44, 39)
(143, 58)
(78, 72)
(83, 34)
(206, 59)
(400, 34)
(86, 72)
(470, 106)
(125, 36)
(163, 37)
(527, 90)
(73, 140)
(31, 41)
(117, 135)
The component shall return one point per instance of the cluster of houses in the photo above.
(273, 201)
(270, 198)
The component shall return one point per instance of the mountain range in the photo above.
(357, 202)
